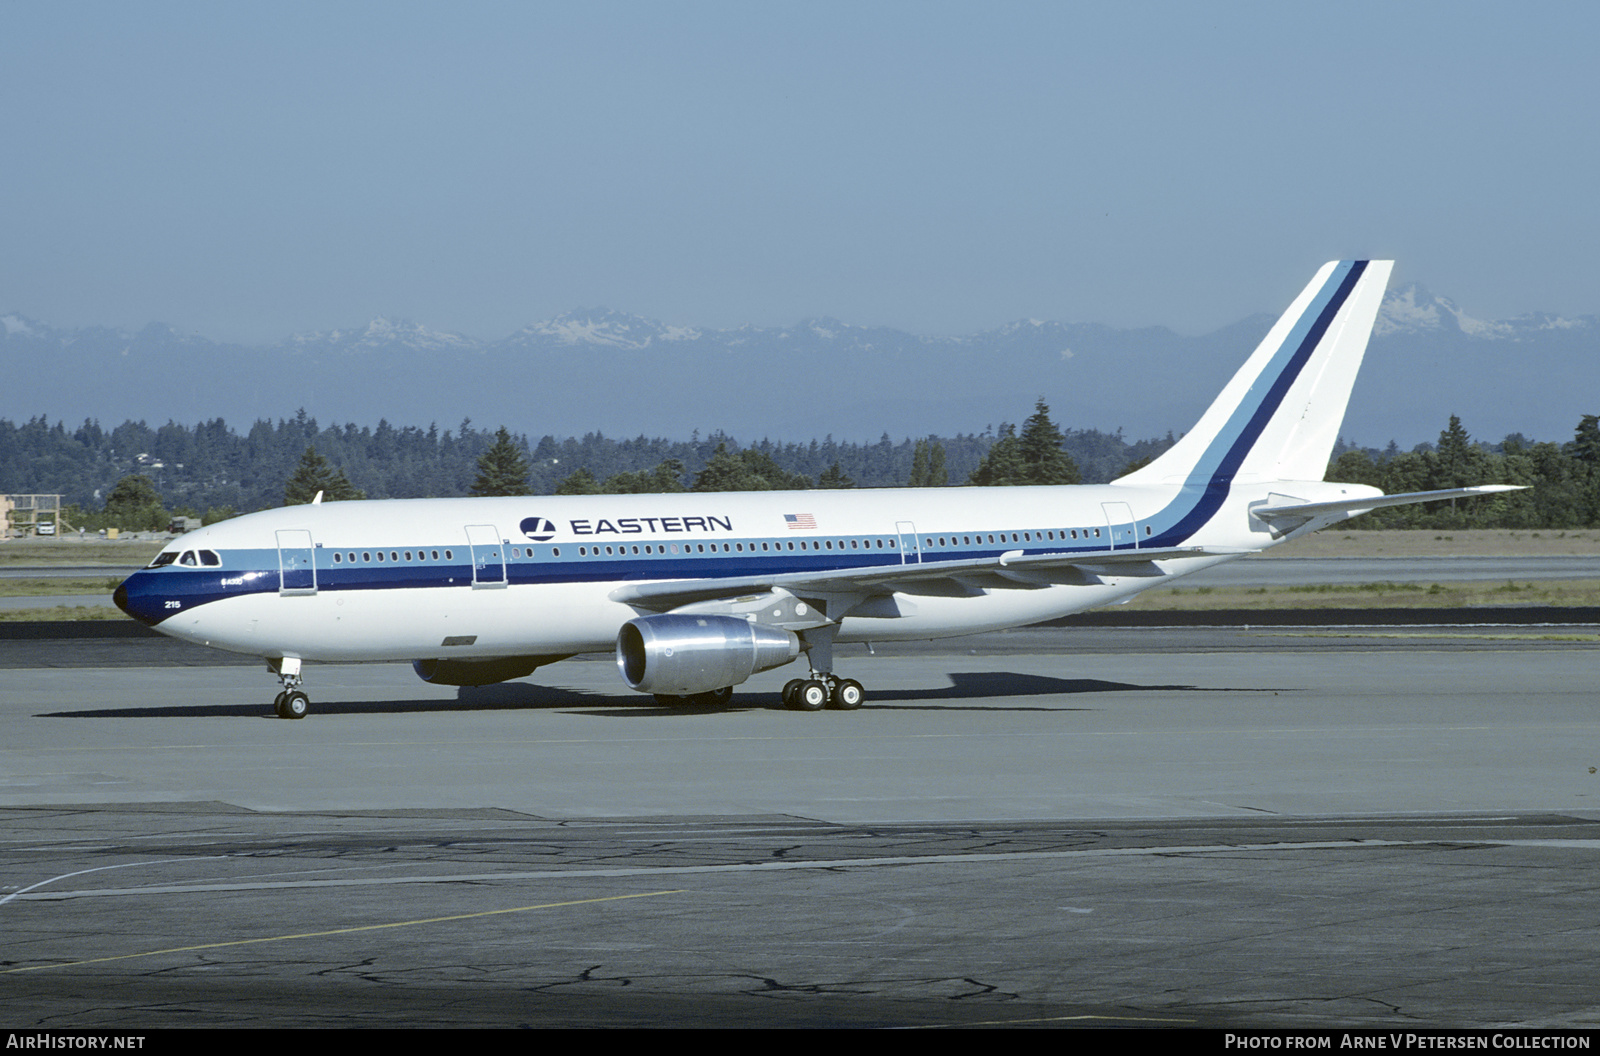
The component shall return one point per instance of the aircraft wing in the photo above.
(1013, 569)
(1304, 511)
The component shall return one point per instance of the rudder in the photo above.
(1279, 417)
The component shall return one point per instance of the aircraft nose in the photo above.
(129, 602)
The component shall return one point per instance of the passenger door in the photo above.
(910, 552)
(1123, 529)
(488, 555)
(297, 562)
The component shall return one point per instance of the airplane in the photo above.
(696, 592)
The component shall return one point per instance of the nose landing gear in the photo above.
(291, 703)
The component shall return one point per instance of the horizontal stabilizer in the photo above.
(1304, 511)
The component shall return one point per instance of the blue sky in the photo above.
(246, 171)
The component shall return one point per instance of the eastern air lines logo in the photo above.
(538, 529)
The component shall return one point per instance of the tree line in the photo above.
(1563, 480)
(212, 472)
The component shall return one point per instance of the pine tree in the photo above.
(1585, 446)
(724, 472)
(1455, 464)
(1035, 457)
(503, 469)
(1041, 442)
(919, 466)
(1003, 464)
(314, 474)
(749, 470)
(938, 475)
(581, 482)
(834, 477)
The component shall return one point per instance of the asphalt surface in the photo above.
(1202, 826)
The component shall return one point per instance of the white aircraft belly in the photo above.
(407, 624)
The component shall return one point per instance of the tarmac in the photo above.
(1194, 827)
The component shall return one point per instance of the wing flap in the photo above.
(932, 577)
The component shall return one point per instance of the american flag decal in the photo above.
(799, 520)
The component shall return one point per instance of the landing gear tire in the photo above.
(790, 688)
(847, 695)
(296, 705)
(277, 704)
(812, 695)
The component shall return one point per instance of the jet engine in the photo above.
(681, 654)
(479, 672)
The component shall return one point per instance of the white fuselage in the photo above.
(474, 578)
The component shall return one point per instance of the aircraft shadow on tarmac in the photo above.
(528, 696)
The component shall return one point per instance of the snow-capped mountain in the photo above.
(382, 335)
(598, 369)
(596, 327)
(1412, 309)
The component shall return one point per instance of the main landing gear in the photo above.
(291, 703)
(823, 689)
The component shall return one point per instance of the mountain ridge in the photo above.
(599, 368)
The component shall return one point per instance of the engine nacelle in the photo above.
(478, 672)
(681, 654)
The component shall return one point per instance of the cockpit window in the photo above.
(188, 559)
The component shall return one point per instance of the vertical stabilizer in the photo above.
(1279, 417)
